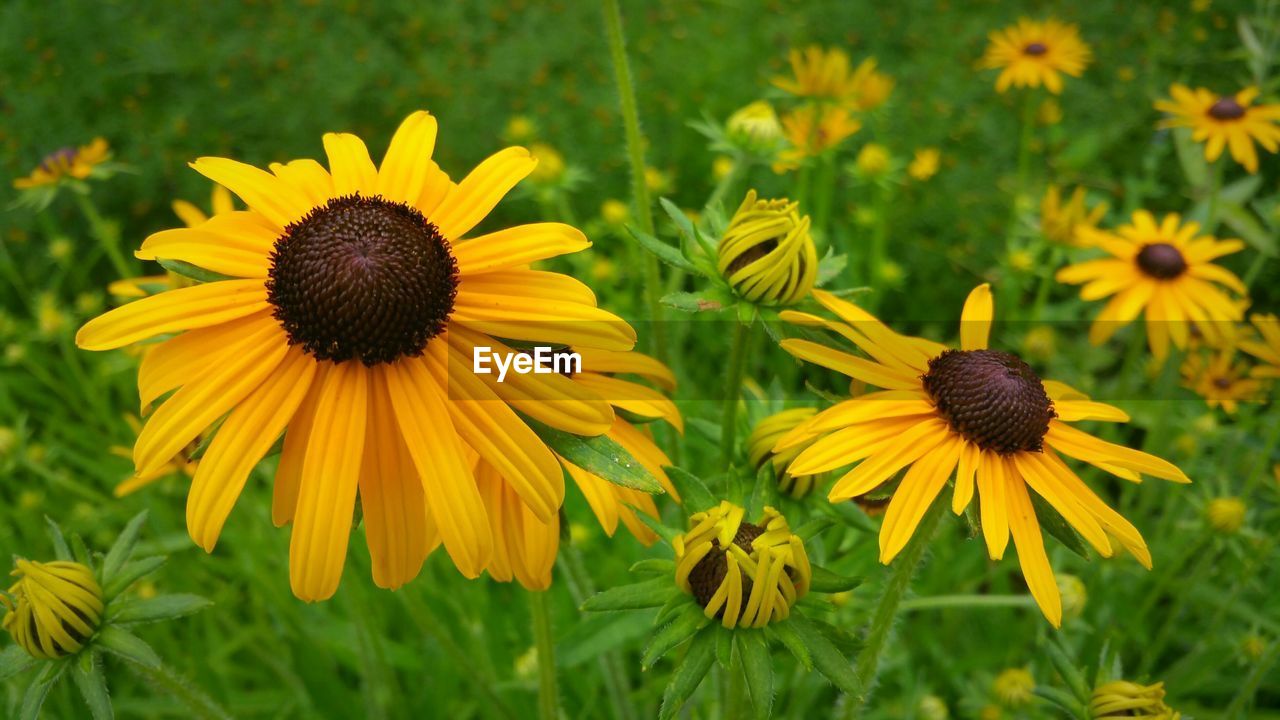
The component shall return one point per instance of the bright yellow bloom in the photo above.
(519, 129)
(1165, 268)
(220, 202)
(67, 162)
(1061, 221)
(615, 212)
(1014, 687)
(358, 300)
(767, 254)
(658, 181)
(1226, 514)
(824, 74)
(925, 164)
(873, 160)
(743, 573)
(1123, 700)
(981, 415)
(1226, 121)
(813, 130)
(53, 608)
(1222, 382)
(870, 86)
(766, 434)
(1266, 347)
(1033, 53)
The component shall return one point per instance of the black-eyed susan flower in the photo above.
(355, 302)
(767, 254)
(67, 163)
(1265, 347)
(743, 573)
(1032, 53)
(1061, 220)
(1225, 514)
(813, 130)
(979, 414)
(1216, 376)
(1231, 122)
(53, 608)
(1014, 687)
(1165, 269)
(1124, 700)
(924, 164)
(870, 87)
(766, 434)
(825, 74)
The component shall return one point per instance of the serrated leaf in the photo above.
(1061, 698)
(692, 490)
(664, 252)
(689, 621)
(830, 267)
(130, 573)
(88, 677)
(80, 551)
(684, 226)
(125, 644)
(1066, 666)
(60, 549)
(38, 690)
(14, 660)
(646, 594)
(654, 566)
(1057, 526)
(825, 581)
(194, 272)
(786, 634)
(164, 607)
(688, 675)
(757, 668)
(1244, 223)
(826, 658)
(600, 455)
(122, 549)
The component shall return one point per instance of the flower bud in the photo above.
(766, 434)
(767, 254)
(1014, 687)
(755, 128)
(1226, 514)
(1123, 699)
(53, 608)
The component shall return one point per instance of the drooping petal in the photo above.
(1031, 555)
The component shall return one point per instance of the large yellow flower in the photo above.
(68, 162)
(1032, 53)
(1266, 347)
(981, 415)
(1224, 121)
(1165, 268)
(356, 298)
(824, 74)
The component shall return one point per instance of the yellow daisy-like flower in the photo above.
(1224, 121)
(1226, 514)
(870, 88)
(525, 546)
(1220, 380)
(192, 215)
(67, 162)
(744, 573)
(53, 608)
(1164, 268)
(924, 164)
(767, 254)
(350, 327)
(981, 415)
(1033, 53)
(813, 130)
(1061, 221)
(766, 434)
(1266, 347)
(824, 74)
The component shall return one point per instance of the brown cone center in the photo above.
(992, 398)
(1161, 261)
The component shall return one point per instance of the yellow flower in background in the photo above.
(1226, 514)
(766, 434)
(615, 212)
(68, 162)
(925, 164)
(53, 608)
(743, 573)
(813, 130)
(767, 254)
(1224, 121)
(1014, 687)
(658, 181)
(1164, 268)
(818, 73)
(1033, 53)
(1074, 596)
(520, 129)
(1049, 112)
(220, 202)
(870, 88)
(1124, 700)
(755, 127)
(1266, 347)
(722, 166)
(551, 165)
(1222, 382)
(1060, 221)
(873, 160)
(333, 332)
(981, 415)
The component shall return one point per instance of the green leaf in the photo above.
(130, 573)
(596, 635)
(825, 581)
(746, 313)
(1243, 222)
(1057, 526)
(683, 225)
(121, 642)
(120, 552)
(724, 646)
(689, 621)
(667, 534)
(671, 608)
(1061, 698)
(186, 269)
(1191, 158)
(164, 607)
(826, 658)
(88, 677)
(39, 689)
(786, 634)
(693, 302)
(60, 549)
(811, 529)
(1241, 191)
(830, 267)
(695, 666)
(757, 668)
(600, 456)
(14, 660)
(664, 252)
(693, 492)
(654, 566)
(647, 594)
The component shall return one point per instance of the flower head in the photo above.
(1224, 121)
(1266, 347)
(755, 127)
(66, 163)
(1226, 514)
(873, 160)
(1014, 687)
(1165, 268)
(924, 164)
(1215, 376)
(55, 607)
(767, 254)
(1032, 53)
(1124, 700)
(813, 130)
(1061, 221)
(766, 434)
(1074, 596)
(980, 414)
(743, 573)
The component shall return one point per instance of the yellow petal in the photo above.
(1031, 554)
(479, 192)
(517, 247)
(349, 163)
(407, 163)
(172, 311)
(284, 493)
(975, 320)
(919, 488)
(264, 193)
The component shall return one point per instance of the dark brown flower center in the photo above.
(992, 398)
(750, 255)
(1035, 49)
(59, 158)
(362, 278)
(1161, 261)
(706, 577)
(1226, 108)
(1222, 383)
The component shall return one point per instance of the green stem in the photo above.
(822, 200)
(1250, 687)
(105, 236)
(548, 696)
(732, 391)
(1046, 281)
(879, 244)
(1008, 290)
(182, 689)
(939, 602)
(635, 155)
(868, 663)
(615, 676)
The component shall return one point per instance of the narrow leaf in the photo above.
(689, 621)
(125, 644)
(724, 646)
(1057, 526)
(164, 607)
(647, 594)
(194, 272)
(692, 490)
(60, 548)
(119, 553)
(826, 658)
(600, 456)
(654, 566)
(664, 252)
(130, 573)
(786, 634)
(757, 668)
(697, 663)
(39, 689)
(14, 660)
(825, 581)
(88, 677)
